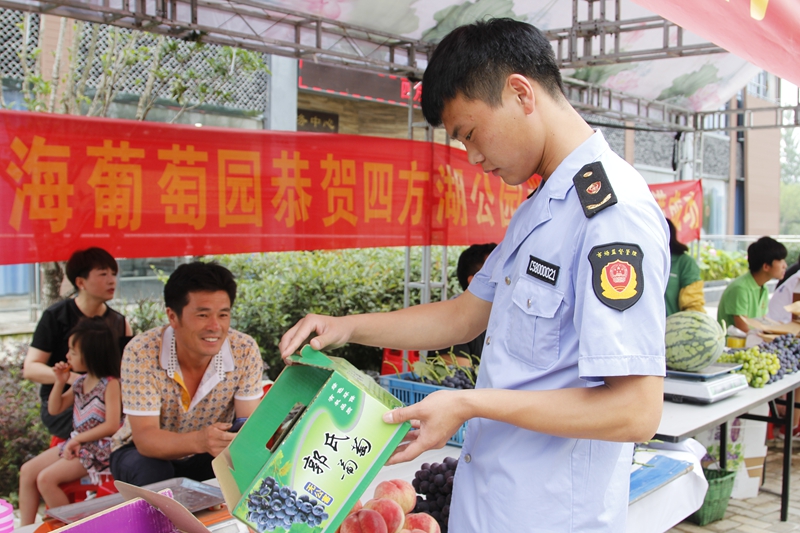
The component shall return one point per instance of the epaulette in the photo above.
(594, 189)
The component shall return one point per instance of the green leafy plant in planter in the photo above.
(145, 313)
(275, 290)
(719, 265)
(22, 435)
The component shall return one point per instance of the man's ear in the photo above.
(174, 319)
(521, 89)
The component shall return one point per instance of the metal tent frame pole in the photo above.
(425, 285)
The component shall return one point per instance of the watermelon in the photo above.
(694, 340)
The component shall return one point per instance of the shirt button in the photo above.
(529, 302)
(468, 458)
(488, 340)
(508, 280)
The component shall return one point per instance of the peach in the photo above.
(398, 490)
(357, 507)
(391, 512)
(364, 521)
(422, 521)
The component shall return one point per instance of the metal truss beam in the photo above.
(251, 25)
(595, 37)
(617, 105)
(255, 25)
(758, 118)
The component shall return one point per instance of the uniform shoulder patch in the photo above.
(593, 188)
(617, 277)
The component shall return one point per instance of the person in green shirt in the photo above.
(684, 286)
(747, 296)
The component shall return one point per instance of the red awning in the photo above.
(764, 32)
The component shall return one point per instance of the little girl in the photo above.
(97, 414)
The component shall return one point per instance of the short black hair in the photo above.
(676, 247)
(98, 345)
(763, 252)
(471, 260)
(475, 61)
(82, 262)
(197, 277)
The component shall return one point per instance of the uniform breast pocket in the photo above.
(535, 323)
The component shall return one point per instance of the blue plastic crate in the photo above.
(410, 392)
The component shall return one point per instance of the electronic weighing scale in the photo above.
(708, 385)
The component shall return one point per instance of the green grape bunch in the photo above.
(757, 366)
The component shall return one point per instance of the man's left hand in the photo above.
(435, 420)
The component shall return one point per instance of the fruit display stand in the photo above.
(680, 421)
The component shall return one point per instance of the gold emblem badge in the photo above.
(616, 274)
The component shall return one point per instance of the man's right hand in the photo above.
(216, 438)
(331, 332)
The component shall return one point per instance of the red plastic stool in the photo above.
(393, 360)
(78, 490)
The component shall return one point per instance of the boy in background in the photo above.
(747, 296)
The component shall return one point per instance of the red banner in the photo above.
(764, 32)
(681, 202)
(144, 189)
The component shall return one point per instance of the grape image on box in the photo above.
(273, 506)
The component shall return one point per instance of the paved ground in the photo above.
(762, 513)
(15, 316)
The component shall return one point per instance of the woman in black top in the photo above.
(93, 273)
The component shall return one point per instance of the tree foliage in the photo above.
(790, 182)
(171, 68)
(790, 209)
(790, 156)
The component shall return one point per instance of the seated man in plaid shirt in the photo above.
(183, 384)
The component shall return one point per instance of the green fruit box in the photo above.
(305, 473)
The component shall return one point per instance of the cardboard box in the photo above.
(745, 454)
(771, 327)
(306, 473)
(143, 511)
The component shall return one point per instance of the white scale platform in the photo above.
(709, 385)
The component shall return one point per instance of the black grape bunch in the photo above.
(434, 486)
(273, 506)
(459, 380)
(787, 349)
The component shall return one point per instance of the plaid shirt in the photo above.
(152, 384)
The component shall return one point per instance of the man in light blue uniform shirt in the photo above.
(572, 302)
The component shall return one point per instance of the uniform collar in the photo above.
(215, 372)
(560, 181)
(556, 187)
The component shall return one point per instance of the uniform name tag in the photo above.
(543, 270)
